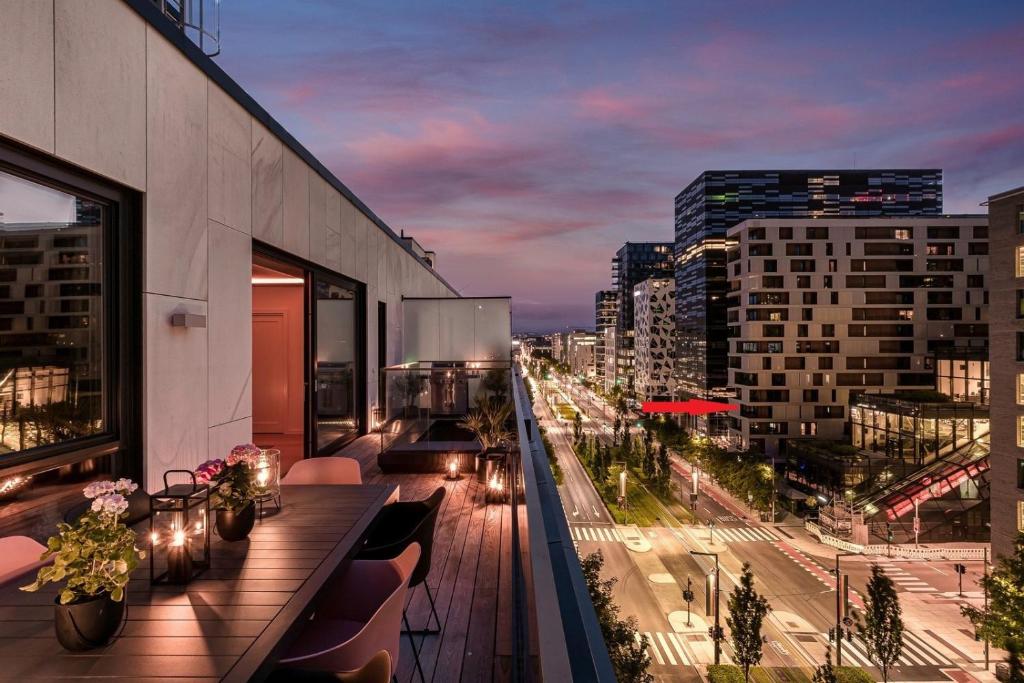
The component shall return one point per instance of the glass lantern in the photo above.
(267, 474)
(179, 530)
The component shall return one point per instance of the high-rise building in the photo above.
(821, 310)
(580, 353)
(610, 378)
(634, 263)
(718, 200)
(654, 338)
(606, 309)
(1006, 227)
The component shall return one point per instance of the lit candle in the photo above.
(453, 469)
(262, 476)
(179, 559)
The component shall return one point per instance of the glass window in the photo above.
(1020, 430)
(1020, 473)
(337, 353)
(53, 388)
(1020, 388)
(1019, 262)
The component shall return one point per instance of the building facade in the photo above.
(166, 242)
(718, 200)
(606, 310)
(610, 378)
(654, 340)
(819, 309)
(634, 262)
(1006, 221)
(580, 355)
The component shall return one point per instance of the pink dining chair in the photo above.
(19, 555)
(377, 670)
(358, 616)
(326, 470)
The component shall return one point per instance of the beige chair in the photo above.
(18, 556)
(327, 470)
(378, 670)
(357, 617)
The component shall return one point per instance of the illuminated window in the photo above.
(1020, 515)
(1020, 388)
(903, 234)
(1020, 430)
(1019, 262)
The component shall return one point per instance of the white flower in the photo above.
(97, 504)
(98, 488)
(125, 486)
(114, 504)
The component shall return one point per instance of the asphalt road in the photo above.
(799, 588)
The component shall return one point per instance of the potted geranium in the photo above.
(233, 490)
(94, 557)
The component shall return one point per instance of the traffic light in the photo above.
(960, 568)
(831, 635)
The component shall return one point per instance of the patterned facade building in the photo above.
(654, 329)
(821, 310)
(718, 200)
(634, 262)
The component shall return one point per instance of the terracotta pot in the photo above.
(235, 526)
(88, 623)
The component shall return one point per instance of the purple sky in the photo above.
(525, 142)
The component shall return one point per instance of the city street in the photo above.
(791, 569)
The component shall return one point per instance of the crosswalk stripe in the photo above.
(657, 655)
(668, 650)
(679, 648)
(916, 652)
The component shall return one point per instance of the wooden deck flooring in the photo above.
(469, 577)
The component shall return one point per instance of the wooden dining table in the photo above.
(232, 623)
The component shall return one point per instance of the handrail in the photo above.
(569, 640)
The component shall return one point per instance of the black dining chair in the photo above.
(393, 529)
(138, 508)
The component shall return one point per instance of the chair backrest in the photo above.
(19, 555)
(416, 521)
(327, 470)
(377, 670)
(424, 535)
(359, 599)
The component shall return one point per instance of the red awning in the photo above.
(694, 406)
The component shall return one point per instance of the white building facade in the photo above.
(654, 342)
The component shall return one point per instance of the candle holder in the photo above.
(452, 472)
(267, 476)
(179, 530)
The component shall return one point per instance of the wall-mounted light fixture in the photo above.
(188, 320)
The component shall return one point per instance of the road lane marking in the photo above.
(668, 651)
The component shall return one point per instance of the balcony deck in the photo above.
(469, 577)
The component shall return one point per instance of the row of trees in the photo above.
(638, 452)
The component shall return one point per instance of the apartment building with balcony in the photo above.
(823, 309)
(1006, 225)
(654, 338)
(718, 200)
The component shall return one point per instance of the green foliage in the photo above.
(747, 610)
(577, 426)
(489, 422)
(883, 622)
(97, 553)
(628, 654)
(725, 673)
(1003, 622)
(852, 674)
(556, 469)
(825, 673)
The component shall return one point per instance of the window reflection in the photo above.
(336, 349)
(51, 317)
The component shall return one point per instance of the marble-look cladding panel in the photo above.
(317, 218)
(267, 186)
(230, 161)
(230, 325)
(176, 161)
(100, 88)
(296, 205)
(224, 437)
(26, 62)
(175, 430)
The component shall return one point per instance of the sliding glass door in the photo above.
(337, 361)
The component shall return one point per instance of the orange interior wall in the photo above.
(278, 391)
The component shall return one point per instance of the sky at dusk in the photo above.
(525, 142)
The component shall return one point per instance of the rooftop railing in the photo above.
(564, 642)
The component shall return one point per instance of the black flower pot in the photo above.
(88, 623)
(235, 526)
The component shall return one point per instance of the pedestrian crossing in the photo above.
(666, 649)
(743, 534)
(916, 652)
(905, 580)
(605, 534)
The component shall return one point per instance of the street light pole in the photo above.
(841, 603)
(716, 632)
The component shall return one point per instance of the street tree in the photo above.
(577, 426)
(825, 673)
(626, 648)
(1002, 623)
(616, 428)
(747, 610)
(664, 468)
(883, 622)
